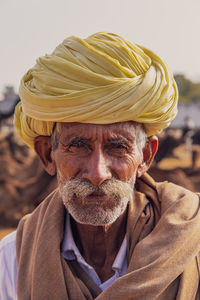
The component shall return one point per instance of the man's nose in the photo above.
(97, 170)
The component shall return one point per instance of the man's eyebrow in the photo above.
(74, 139)
(120, 139)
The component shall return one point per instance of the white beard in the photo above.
(74, 194)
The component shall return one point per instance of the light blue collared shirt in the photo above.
(71, 252)
(8, 264)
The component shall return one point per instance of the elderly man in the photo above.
(91, 110)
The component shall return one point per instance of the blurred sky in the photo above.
(31, 28)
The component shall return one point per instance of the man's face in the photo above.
(96, 169)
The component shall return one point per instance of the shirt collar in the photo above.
(70, 250)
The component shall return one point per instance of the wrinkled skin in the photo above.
(97, 153)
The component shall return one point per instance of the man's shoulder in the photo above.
(53, 197)
(178, 198)
(8, 242)
(8, 267)
(170, 189)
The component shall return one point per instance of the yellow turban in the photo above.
(102, 79)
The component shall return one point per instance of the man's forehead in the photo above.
(126, 129)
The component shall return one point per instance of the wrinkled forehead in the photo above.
(126, 129)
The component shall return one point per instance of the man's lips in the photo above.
(96, 197)
(97, 194)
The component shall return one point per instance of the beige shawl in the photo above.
(163, 232)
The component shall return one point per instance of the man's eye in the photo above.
(118, 148)
(78, 147)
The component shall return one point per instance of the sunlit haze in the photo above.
(32, 28)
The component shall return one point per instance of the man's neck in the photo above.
(99, 245)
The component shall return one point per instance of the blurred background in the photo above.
(31, 28)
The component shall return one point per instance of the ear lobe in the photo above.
(43, 148)
(149, 152)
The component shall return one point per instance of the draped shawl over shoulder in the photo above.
(102, 79)
(163, 231)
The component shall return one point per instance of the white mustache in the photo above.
(82, 188)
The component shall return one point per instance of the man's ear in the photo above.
(149, 151)
(43, 148)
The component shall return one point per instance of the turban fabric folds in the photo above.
(102, 79)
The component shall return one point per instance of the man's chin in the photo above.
(96, 214)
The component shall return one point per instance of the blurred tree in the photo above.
(189, 91)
